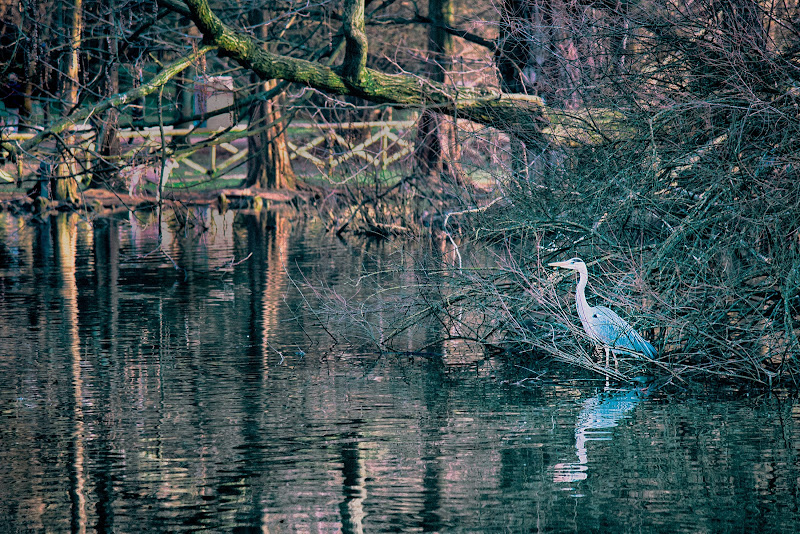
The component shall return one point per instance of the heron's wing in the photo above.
(615, 333)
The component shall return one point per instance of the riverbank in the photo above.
(102, 200)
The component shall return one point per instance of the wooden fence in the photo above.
(334, 150)
(324, 147)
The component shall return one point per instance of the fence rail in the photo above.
(326, 146)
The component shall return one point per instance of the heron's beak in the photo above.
(563, 264)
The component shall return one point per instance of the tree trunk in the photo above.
(618, 37)
(538, 51)
(745, 41)
(437, 152)
(538, 55)
(184, 85)
(65, 185)
(516, 65)
(184, 98)
(105, 173)
(562, 65)
(269, 166)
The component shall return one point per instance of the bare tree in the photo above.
(65, 184)
(437, 150)
(269, 166)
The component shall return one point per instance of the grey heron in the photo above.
(603, 325)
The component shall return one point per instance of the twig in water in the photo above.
(234, 264)
(463, 212)
(279, 353)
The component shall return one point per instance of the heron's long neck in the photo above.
(580, 295)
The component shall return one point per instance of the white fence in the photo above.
(376, 144)
(313, 148)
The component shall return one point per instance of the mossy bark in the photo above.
(520, 115)
(356, 44)
(63, 184)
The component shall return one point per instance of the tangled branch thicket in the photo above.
(681, 192)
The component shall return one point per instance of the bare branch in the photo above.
(163, 77)
(421, 19)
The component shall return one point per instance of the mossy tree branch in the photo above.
(519, 115)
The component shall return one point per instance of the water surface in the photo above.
(139, 397)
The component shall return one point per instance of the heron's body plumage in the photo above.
(603, 326)
(614, 332)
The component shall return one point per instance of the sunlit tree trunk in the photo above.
(437, 151)
(65, 186)
(269, 166)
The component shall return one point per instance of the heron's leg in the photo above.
(607, 351)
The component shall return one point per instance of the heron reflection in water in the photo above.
(597, 417)
(603, 326)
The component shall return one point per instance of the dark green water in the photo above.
(140, 398)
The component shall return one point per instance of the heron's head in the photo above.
(575, 264)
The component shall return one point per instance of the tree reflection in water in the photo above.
(145, 394)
